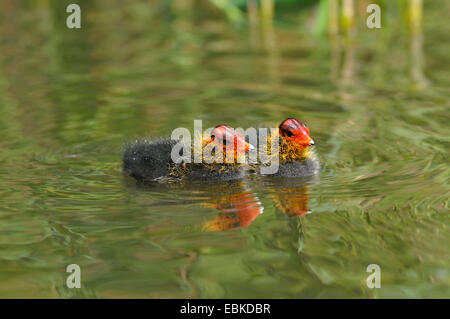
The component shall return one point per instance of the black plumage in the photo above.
(303, 168)
(148, 159)
(151, 159)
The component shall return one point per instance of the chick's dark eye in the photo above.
(289, 133)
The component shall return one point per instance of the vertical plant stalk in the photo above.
(415, 13)
(348, 17)
(335, 58)
(268, 35)
(252, 12)
(253, 21)
(333, 17)
(322, 17)
(267, 15)
(267, 9)
(417, 62)
(349, 27)
(349, 64)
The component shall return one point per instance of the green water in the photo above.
(377, 107)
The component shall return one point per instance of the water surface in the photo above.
(377, 107)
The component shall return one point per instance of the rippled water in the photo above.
(377, 107)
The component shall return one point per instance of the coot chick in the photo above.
(151, 159)
(296, 157)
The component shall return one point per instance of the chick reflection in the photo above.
(294, 202)
(291, 198)
(237, 206)
(237, 209)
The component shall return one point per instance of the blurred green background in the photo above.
(376, 102)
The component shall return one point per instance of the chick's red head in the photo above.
(295, 131)
(230, 139)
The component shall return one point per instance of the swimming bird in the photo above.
(296, 156)
(220, 156)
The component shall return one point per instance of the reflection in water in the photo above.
(267, 14)
(237, 204)
(236, 210)
(293, 201)
(253, 19)
(343, 64)
(417, 62)
(291, 195)
(349, 64)
(335, 57)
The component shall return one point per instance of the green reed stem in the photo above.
(348, 16)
